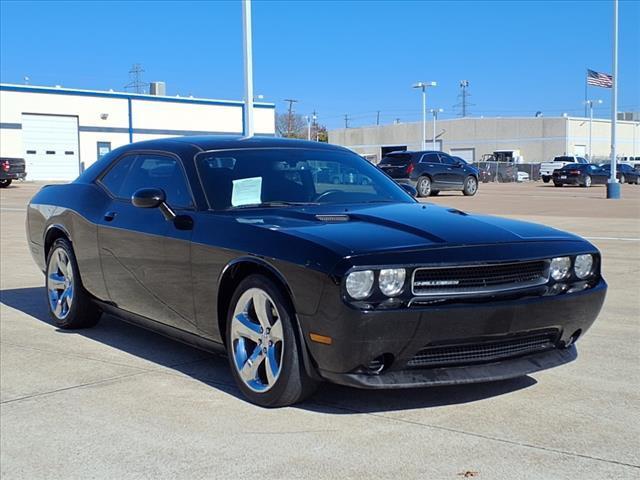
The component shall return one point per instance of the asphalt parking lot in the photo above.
(117, 401)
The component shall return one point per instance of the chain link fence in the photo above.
(507, 172)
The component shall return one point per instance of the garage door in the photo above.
(50, 146)
(467, 154)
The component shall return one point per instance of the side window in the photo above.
(447, 160)
(430, 158)
(114, 178)
(150, 171)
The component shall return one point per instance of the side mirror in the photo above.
(409, 189)
(153, 198)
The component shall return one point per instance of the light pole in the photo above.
(248, 68)
(613, 187)
(590, 105)
(314, 117)
(308, 118)
(435, 112)
(423, 86)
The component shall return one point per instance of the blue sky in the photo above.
(334, 57)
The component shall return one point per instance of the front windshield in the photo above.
(283, 176)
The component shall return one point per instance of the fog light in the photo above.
(559, 267)
(359, 284)
(583, 266)
(391, 281)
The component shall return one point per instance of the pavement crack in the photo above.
(480, 435)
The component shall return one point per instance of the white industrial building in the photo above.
(538, 139)
(61, 131)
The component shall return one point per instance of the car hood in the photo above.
(355, 230)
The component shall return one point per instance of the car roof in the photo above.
(223, 142)
(412, 152)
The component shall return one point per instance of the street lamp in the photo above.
(613, 187)
(590, 105)
(435, 112)
(423, 86)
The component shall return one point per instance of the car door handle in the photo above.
(109, 216)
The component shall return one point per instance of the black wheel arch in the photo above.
(52, 233)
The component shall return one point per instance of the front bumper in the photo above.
(358, 337)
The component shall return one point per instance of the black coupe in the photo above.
(239, 244)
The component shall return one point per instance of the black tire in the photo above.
(5, 182)
(423, 186)
(470, 186)
(292, 384)
(83, 312)
(587, 182)
(556, 184)
(546, 179)
(435, 192)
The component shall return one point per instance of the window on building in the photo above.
(103, 149)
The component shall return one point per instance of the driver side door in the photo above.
(146, 260)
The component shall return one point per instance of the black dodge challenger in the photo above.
(234, 243)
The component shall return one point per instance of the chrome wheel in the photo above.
(60, 283)
(424, 187)
(257, 340)
(472, 186)
(587, 181)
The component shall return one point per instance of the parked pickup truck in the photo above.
(11, 169)
(547, 168)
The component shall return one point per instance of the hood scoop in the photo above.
(457, 212)
(337, 218)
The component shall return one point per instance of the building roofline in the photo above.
(128, 96)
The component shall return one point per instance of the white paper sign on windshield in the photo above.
(246, 191)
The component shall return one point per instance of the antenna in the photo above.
(135, 79)
(464, 99)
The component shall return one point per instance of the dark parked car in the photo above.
(11, 169)
(230, 243)
(580, 174)
(431, 172)
(624, 173)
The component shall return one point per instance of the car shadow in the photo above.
(212, 368)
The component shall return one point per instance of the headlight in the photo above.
(559, 267)
(391, 281)
(359, 284)
(583, 266)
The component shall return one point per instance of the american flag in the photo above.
(599, 79)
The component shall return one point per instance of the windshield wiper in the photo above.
(275, 204)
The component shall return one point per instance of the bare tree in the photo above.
(291, 125)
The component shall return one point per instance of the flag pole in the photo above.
(613, 187)
(586, 84)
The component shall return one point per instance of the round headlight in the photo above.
(359, 284)
(559, 267)
(391, 281)
(583, 266)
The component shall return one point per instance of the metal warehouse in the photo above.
(538, 139)
(61, 131)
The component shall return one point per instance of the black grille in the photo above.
(487, 351)
(471, 279)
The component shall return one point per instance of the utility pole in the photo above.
(378, 117)
(290, 115)
(314, 117)
(135, 79)
(346, 120)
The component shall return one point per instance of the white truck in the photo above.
(547, 168)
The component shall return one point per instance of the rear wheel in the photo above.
(546, 179)
(424, 186)
(587, 181)
(470, 186)
(70, 306)
(263, 347)
(5, 182)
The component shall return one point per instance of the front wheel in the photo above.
(69, 304)
(470, 186)
(587, 181)
(262, 344)
(424, 187)
(5, 182)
